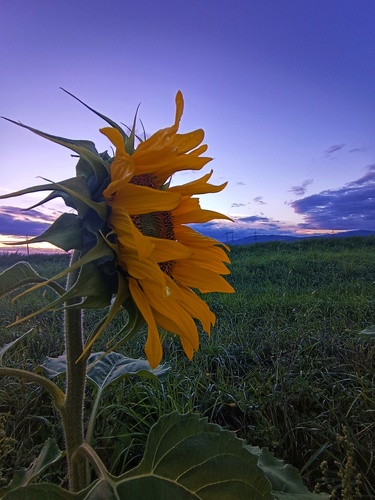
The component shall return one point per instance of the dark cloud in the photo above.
(357, 150)
(244, 226)
(332, 149)
(253, 218)
(349, 207)
(16, 222)
(236, 205)
(259, 200)
(301, 190)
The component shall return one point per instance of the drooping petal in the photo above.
(170, 325)
(192, 238)
(199, 186)
(204, 280)
(153, 348)
(165, 250)
(198, 309)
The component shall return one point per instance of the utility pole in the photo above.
(227, 234)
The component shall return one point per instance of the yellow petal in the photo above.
(153, 347)
(192, 238)
(188, 348)
(189, 141)
(142, 200)
(169, 308)
(199, 186)
(116, 138)
(169, 325)
(204, 280)
(196, 216)
(165, 250)
(198, 309)
(128, 235)
(149, 274)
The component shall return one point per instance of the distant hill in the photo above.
(264, 238)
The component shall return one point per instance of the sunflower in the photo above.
(163, 258)
(131, 237)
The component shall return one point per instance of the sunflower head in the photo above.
(130, 228)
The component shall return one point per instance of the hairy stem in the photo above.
(72, 414)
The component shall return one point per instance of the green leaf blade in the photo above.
(108, 368)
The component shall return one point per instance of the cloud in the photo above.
(301, 190)
(243, 227)
(17, 222)
(259, 200)
(237, 205)
(357, 150)
(332, 149)
(253, 218)
(240, 183)
(349, 207)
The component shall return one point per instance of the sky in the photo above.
(284, 90)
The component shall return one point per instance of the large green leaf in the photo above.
(108, 368)
(286, 481)
(50, 454)
(199, 459)
(104, 369)
(185, 458)
(188, 458)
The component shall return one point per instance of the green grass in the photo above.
(285, 366)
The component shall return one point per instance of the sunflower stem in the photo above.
(72, 412)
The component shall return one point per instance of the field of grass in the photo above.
(285, 367)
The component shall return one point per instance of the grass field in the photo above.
(285, 367)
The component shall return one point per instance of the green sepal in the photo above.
(92, 285)
(65, 233)
(129, 142)
(85, 149)
(75, 187)
(105, 118)
(121, 295)
(100, 251)
(132, 327)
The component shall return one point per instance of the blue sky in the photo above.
(282, 88)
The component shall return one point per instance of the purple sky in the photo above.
(284, 90)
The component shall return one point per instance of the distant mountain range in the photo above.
(263, 238)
